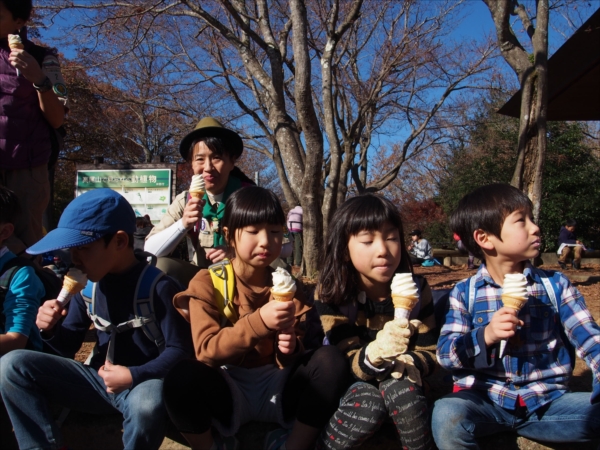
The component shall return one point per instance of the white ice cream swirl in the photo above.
(515, 285)
(197, 184)
(77, 275)
(14, 40)
(283, 281)
(403, 285)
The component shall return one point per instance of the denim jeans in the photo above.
(461, 417)
(30, 380)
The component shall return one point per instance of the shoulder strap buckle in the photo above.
(223, 280)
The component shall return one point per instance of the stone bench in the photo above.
(456, 258)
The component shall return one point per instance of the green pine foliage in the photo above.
(487, 154)
(571, 188)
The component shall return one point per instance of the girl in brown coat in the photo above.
(255, 368)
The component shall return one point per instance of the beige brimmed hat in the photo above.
(209, 127)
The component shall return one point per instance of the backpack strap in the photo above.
(5, 280)
(143, 305)
(554, 296)
(9, 272)
(223, 280)
(89, 297)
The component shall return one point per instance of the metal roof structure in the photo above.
(573, 77)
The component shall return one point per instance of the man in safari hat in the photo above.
(212, 150)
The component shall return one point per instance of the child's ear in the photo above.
(6, 230)
(226, 234)
(121, 240)
(482, 238)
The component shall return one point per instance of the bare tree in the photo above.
(532, 72)
(315, 85)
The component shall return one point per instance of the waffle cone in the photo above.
(197, 194)
(515, 303)
(72, 286)
(402, 302)
(16, 46)
(282, 296)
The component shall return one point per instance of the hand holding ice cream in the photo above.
(73, 283)
(279, 313)
(514, 296)
(192, 213)
(15, 43)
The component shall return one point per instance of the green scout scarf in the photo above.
(212, 212)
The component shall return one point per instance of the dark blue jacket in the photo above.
(566, 237)
(133, 349)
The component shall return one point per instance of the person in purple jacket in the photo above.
(126, 373)
(569, 244)
(32, 103)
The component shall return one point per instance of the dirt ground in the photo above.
(85, 431)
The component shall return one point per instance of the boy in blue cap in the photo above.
(126, 373)
(523, 388)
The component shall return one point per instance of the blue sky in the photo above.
(477, 23)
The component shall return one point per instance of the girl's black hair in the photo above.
(250, 206)
(486, 208)
(218, 147)
(338, 279)
(20, 9)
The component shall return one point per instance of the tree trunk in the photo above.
(312, 218)
(533, 79)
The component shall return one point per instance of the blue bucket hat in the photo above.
(86, 219)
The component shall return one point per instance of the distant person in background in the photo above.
(212, 151)
(294, 224)
(569, 244)
(59, 267)
(32, 104)
(143, 227)
(419, 249)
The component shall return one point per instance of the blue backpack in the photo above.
(143, 307)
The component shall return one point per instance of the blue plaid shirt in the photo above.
(536, 364)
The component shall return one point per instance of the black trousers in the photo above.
(195, 393)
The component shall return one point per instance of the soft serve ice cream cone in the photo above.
(514, 291)
(284, 286)
(514, 295)
(197, 188)
(74, 281)
(15, 42)
(404, 295)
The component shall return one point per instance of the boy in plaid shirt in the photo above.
(524, 389)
